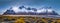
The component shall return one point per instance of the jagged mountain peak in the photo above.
(21, 7)
(9, 12)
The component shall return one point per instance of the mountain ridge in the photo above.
(31, 11)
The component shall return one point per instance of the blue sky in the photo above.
(6, 4)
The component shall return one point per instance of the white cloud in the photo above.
(50, 10)
(15, 9)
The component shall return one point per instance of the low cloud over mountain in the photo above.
(31, 11)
